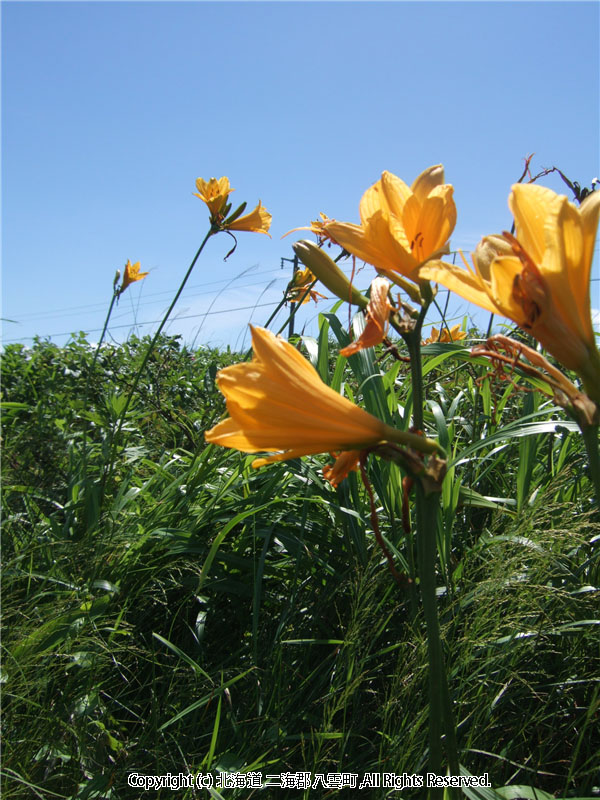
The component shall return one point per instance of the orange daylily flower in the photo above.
(539, 278)
(452, 335)
(257, 221)
(401, 227)
(279, 404)
(214, 193)
(344, 464)
(317, 226)
(378, 314)
(298, 290)
(131, 275)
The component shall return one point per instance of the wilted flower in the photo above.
(344, 464)
(507, 355)
(378, 314)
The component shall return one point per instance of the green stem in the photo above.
(280, 305)
(441, 716)
(590, 438)
(426, 518)
(102, 335)
(140, 371)
(91, 372)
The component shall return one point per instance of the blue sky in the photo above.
(111, 110)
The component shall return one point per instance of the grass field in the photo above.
(169, 609)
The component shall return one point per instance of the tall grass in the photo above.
(186, 613)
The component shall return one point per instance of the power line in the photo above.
(29, 316)
(153, 321)
(125, 311)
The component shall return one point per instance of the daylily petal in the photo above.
(461, 281)
(299, 290)
(345, 462)
(131, 275)
(317, 226)
(563, 270)
(214, 193)
(543, 285)
(455, 334)
(386, 235)
(448, 222)
(508, 303)
(531, 205)
(590, 214)
(488, 249)
(436, 222)
(427, 181)
(257, 221)
(371, 202)
(354, 239)
(411, 217)
(395, 193)
(401, 227)
(278, 403)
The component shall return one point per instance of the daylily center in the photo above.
(529, 289)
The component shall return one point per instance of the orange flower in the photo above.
(299, 290)
(378, 313)
(401, 227)
(345, 463)
(279, 404)
(452, 335)
(131, 275)
(541, 278)
(317, 226)
(214, 193)
(257, 221)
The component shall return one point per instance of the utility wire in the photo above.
(29, 316)
(152, 321)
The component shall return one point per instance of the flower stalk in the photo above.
(147, 355)
(214, 193)
(590, 439)
(441, 715)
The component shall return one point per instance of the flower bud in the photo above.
(489, 248)
(327, 271)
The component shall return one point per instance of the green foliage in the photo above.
(182, 612)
